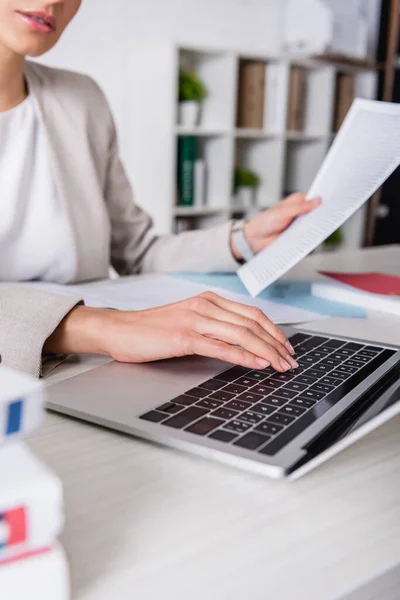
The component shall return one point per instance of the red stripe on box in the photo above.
(16, 520)
(26, 555)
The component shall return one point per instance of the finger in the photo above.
(204, 346)
(209, 309)
(237, 335)
(251, 312)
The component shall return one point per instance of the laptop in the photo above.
(278, 425)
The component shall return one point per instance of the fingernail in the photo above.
(292, 362)
(285, 365)
(289, 347)
(263, 364)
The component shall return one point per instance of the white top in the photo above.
(35, 236)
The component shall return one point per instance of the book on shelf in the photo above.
(21, 404)
(345, 94)
(40, 575)
(187, 157)
(251, 99)
(199, 183)
(31, 502)
(296, 101)
(271, 97)
(183, 224)
(374, 291)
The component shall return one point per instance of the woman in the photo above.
(67, 212)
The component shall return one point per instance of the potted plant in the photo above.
(191, 94)
(334, 241)
(245, 184)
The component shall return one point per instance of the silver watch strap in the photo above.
(240, 240)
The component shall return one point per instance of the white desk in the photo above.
(146, 523)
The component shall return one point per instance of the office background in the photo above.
(108, 43)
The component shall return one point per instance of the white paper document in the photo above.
(144, 293)
(364, 154)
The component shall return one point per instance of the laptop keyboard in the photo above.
(265, 410)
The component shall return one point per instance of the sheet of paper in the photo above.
(364, 154)
(149, 292)
(289, 293)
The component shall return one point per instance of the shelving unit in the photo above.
(285, 161)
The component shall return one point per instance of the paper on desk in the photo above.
(289, 293)
(146, 293)
(365, 153)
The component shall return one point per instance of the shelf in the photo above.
(301, 136)
(193, 211)
(199, 131)
(256, 134)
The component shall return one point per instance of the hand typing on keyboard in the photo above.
(206, 325)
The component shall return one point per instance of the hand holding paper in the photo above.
(364, 154)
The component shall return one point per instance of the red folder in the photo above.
(374, 283)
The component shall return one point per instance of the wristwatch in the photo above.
(240, 240)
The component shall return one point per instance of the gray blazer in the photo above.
(108, 227)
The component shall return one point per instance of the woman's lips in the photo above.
(39, 21)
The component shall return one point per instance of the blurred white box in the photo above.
(326, 27)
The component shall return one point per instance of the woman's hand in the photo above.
(266, 227)
(206, 325)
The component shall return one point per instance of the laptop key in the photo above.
(331, 362)
(204, 426)
(225, 413)
(250, 397)
(251, 441)
(209, 403)
(251, 417)
(298, 338)
(246, 382)
(322, 387)
(345, 352)
(269, 428)
(263, 409)
(296, 386)
(235, 388)
(223, 436)
(269, 383)
(361, 357)
(331, 381)
(222, 395)
(314, 374)
(288, 376)
(265, 390)
(334, 344)
(186, 417)
(275, 401)
(322, 368)
(281, 419)
(213, 385)
(153, 416)
(306, 379)
(292, 411)
(354, 363)
(238, 405)
(302, 402)
(237, 426)
(354, 346)
(259, 375)
(185, 400)
(374, 349)
(312, 395)
(345, 369)
(198, 392)
(283, 393)
(307, 360)
(232, 374)
(170, 408)
(340, 375)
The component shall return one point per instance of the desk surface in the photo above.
(147, 522)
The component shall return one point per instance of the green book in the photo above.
(187, 156)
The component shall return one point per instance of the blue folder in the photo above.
(291, 293)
